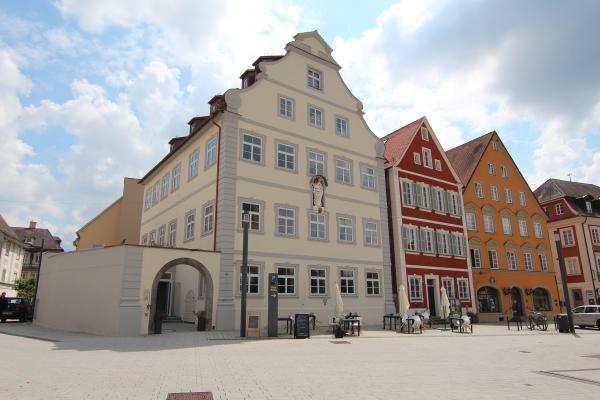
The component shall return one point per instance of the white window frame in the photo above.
(208, 217)
(572, 266)
(408, 193)
(471, 219)
(347, 283)
(315, 116)
(315, 166)
(488, 223)
(522, 199)
(495, 145)
(286, 277)
(443, 243)
(558, 208)
(341, 126)
(255, 216)
(504, 171)
(172, 233)
(523, 227)
(190, 225)
(343, 172)
(417, 158)
(286, 153)
(164, 192)
(286, 221)
(528, 261)
(160, 240)
(211, 152)
(148, 199)
(254, 280)
(491, 169)
(427, 158)
(410, 238)
(494, 193)
(511, 258)
(346, 228)
(314, 79)
(508, 195)
(493, 259)
(567, 237)
(455, 204)
(176, 178)
(424, 133)
(155, 193)
(321, 281)
(249, 147)
(507, 225)
(448, 283)
(372, 283)
(539, 230)
(595, 235)
(320, 222)
(194, 160)
(367, 180)
(152, 237)
(438, 164)
(476, 258)
(463, 289)
(285, 107)
(428, 244)
(479, 190)
(371, 232)
(544, 262)
(415, 288)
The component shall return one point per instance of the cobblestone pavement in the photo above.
(492, 363)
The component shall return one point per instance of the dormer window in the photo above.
(495, 145)
(424, 134)
(314, 79)
(588, 207)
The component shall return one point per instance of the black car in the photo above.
(16, 308)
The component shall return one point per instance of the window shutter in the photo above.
(443, 200)
(422, 243)
(458, 205)
(453, 244)
(430, 195)
(404, 238)
(438, 237)
(448, 201)
(418, 195)
(433, 243)
(405, 188)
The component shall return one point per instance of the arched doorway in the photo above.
(541, 300)
(516, 302)
(159, 282)
(488, 300)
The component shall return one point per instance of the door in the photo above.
(163, 296)
(577, 298)
(516, 302)
(431, 297)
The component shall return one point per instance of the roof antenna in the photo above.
(570, 175)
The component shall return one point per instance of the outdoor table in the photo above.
(391, 317)
(289, 324)
(349, 324)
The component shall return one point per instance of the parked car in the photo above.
(587, 316)
(17, 308)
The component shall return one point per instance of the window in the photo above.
(523, 230)
(155, 193)
(463, 289)
(148, 202)
(367, 177)
(489, 300)
(345, 229)
(559, 209)
(459, 245)
(544, 262)
(286, 221)
(317, 226)
(371, 233)
(343, 171)
(409, 238)
(454, 204)
(494, 190)
(512, 260)
(493, 258)
(495, 145)
(286, 280)
(408, 197)
(427, 241)
(528, 261)
(341, 126)
(423, 196)
(316, 163)
(572, 265)
(176, 177)
(504, 171)
(253, 279)
(488, 223)
(190, 222)
(427, 158)
(286, 156)
(152, 238)
(161, 235)
(448, 284)
(172, 235)
(318, 281)
(314, 79)
(211, 152)
(588, 207)
(254, 210)
(415, 288)
(443, 242)
(508, 195)
(541, 300)
(373, 284)
(539, 231)
(438, 165)
(194, 160)
(491, 169)
(145, 239)
(522, 199)
(595, 233)
(417, 158)
(315, 116)
(471, 221)
(424, 134)
(567, 237)
(506, 225)
(286, 108)
(439, 199)
(475, 258)
(207, 223)
(251, 148)
(347, 285)
(479, 190)
(165, 186)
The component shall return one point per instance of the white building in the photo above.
(260, 150)
(11, 258)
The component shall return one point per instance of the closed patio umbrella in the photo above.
(403, 303)
(339, 303)
(445, 305)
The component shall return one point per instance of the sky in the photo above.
(92, 90)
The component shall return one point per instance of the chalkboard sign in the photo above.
(253, 321)
(301, 326)
(253, 324)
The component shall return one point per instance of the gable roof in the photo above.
(398, 141)
(466, 157)
(7, 230)
(34, 237)
(556, 188)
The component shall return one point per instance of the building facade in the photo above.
(513, 268)
(35, 242)
(573, 209)
(427, 226)
(11, 258)
(292, 148)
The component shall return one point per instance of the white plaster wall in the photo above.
(186, 280)
(11, 261)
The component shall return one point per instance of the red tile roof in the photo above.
(398, 141)
(465, 158)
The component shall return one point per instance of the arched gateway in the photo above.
(205, 275)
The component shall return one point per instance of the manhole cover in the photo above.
(339, 342)
(190, 396)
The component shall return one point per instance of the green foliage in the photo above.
(25, 287)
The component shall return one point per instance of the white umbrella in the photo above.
(403, 304)
(445, 305)
(339, 303)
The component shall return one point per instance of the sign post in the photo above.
(246, 226)
(272, 305)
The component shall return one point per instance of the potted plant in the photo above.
(339, 331)
(201, 320)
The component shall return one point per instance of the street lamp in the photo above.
(246, 227)
(563, 277)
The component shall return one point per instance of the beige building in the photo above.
(36, 241)
(118, 223)
(11, 258)
(292, 148)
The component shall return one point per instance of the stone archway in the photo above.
(208, 294)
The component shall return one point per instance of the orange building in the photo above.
(511, 258)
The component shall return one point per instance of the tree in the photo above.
(25, 287)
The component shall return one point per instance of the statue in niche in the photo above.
(318, 184)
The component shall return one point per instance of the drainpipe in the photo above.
(216, 183)
(587, 251)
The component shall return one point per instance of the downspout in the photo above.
(217, 183)
(587, 251)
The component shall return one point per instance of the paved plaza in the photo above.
(492, 363)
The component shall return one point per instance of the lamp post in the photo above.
(37, 281)
(246, 227)
(563, 277)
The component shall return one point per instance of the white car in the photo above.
(587, 316)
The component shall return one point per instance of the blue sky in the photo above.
(91, 91)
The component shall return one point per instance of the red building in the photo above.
(573, 210)
(429, 237)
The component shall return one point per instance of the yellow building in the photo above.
(118, 223)
(513, 269)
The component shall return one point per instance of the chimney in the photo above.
(32, 224)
